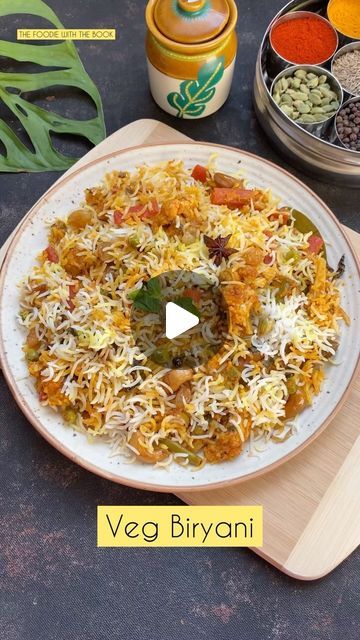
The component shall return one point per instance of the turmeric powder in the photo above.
(344, 15)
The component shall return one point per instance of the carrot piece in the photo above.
(315, 244)
(151, 210)
(141, 210)
(51, 254)
(232, 198)
(118, 218)
(194, 294)
(199, 173)
(73, 289)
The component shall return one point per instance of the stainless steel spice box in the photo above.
(323, 157)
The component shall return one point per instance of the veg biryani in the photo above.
(282, 298)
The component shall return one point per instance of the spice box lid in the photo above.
(191, 21)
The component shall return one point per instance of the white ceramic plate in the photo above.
(31, 238)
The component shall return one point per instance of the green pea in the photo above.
(134, 241)
(292, 254)
(70, 415)
(265, 325)
(32, 355)
(160, 356)
(233, 373)
(291, 386)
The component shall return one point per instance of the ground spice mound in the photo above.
(344, 15)
(305, 40)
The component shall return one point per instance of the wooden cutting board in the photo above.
(311, 503)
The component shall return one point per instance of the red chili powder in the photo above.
(305, 40)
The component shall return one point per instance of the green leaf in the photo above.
(66, 70)
(195, 94)
(153, 287)
(305, 225)
(188, 304)
(147, 303)
(149, 297)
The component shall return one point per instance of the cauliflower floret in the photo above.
(241, 301)
(226, 446)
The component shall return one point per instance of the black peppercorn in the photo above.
(347, 124)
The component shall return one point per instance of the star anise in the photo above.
(218, 249)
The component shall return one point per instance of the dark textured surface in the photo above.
(54, 583)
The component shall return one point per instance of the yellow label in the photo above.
(66, 34)
(137, 526)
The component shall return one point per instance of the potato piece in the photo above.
(295, 404)
(168, 212)
(79, 218)
(254, 256)
(178, 377)
(183, 396)
(32, 340)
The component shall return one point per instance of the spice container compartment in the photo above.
(317, 78)
(322, 156)
(348, 77)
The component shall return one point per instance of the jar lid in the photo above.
(191, 21)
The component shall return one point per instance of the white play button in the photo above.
(178, 320)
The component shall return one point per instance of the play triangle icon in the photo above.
(178, 320)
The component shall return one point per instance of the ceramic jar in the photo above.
(191, 48)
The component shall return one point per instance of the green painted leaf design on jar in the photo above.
(194, 95)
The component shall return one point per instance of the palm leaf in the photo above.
(194, 95)
(37, 122)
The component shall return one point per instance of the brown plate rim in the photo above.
(36, 423)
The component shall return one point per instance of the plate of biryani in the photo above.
(96, 244)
